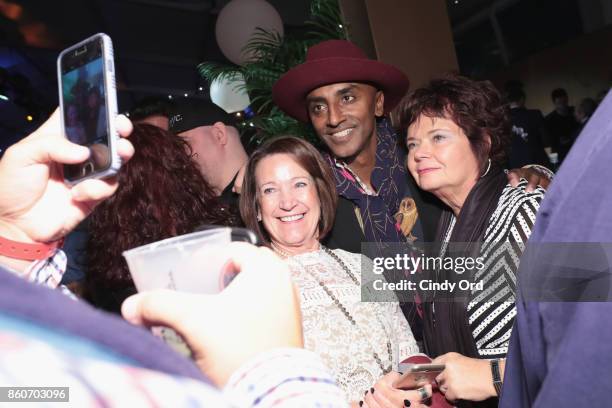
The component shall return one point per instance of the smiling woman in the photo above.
(288, 191)
(288, 203)
(289, 199)
(457, 131)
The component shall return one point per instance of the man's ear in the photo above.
(379, 104)
(219, 131)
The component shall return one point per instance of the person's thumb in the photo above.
(47, 145)
(59, 151)
(45, 151)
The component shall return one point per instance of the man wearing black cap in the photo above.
(215, 143)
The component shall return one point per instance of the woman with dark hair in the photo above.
(457, 133)
(289, 199)
(161, 194)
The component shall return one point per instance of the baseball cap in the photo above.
(190, 113)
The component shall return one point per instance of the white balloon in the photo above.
(231, 95)
(236, 24)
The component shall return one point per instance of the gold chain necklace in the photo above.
(283, 254)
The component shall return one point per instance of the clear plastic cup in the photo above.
(187, 263)
(174, 263)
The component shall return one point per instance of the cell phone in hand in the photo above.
(417, 375)
(88, 104)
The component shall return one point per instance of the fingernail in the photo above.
(406, 403)
(129, 308)
(366, 393)
(361, 403)
(372, 390)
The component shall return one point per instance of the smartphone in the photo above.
(88, 104)
(417, 375)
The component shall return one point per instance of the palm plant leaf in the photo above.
(270, 56)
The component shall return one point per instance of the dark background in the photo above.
(158, 44)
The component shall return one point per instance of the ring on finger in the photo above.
(423, 393)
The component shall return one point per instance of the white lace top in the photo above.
(347, 349)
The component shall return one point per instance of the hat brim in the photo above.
(290, 91)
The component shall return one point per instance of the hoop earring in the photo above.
(487, 170)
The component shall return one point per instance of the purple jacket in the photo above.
(561, 352)
(49, 313)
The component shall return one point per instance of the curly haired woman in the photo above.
(161, 194)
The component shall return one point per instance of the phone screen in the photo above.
(84, 103)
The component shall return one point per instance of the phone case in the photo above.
(110, 99)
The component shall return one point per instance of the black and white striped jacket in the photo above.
(491, 311)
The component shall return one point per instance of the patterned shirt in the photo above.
(491, 311)
(48, 272)
(279, 378)
(388, 214)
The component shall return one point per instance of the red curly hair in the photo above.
(161, 194)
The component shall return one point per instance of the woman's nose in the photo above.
(420, 151)
(287, 200)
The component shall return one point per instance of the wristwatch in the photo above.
(497, 381)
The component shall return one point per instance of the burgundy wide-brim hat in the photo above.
(332, 62)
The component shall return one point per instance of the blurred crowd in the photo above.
(464, 166)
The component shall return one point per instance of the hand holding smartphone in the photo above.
(88, 103)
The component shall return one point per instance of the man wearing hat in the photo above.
(215, 143)
(345, 95)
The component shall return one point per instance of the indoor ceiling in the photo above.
(158, 43)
